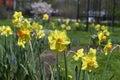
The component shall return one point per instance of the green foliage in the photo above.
(26, 64)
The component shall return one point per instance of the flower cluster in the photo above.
(26, 29)
(78, 55)
(88, 59)
(66, 25)
(102, 37)
(17, 18)
(41, 8)
(5, 30)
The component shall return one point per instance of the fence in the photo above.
(100, 10)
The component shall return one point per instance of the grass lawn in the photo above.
(113, 68)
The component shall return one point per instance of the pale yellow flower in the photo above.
(67, 22)
(6, 31)
(17, 15)
(79, 54)
(17, 18)
(107, 47)
(16, 22)
(68, 27)
(26, 24)
(76, 24)
(97, 27)
(101, 37)
(89, 60)
(58, 40)
(63, 26)
(40, 34)
(106, 32)
(36, 26)
(45, 17)
(103, 28)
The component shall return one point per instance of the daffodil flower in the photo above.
(101, 37)
(76, 24)
(107, 47)
(58, 40)
(6, 31)
(89, 60)
(23, 37)
(79, 54)
(97, 27)
(45, 17)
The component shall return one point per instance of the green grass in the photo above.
(112, 68)
(6, 22)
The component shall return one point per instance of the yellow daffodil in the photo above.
(17, 18)
(1, 29)
(38, 30)
(25, 24)
(101, 37)
(89, 60)
(40, 34)
(67, 22)
(63, 26)
(97, 27)
(17, 15)
(68, 27)
(79, 54)
(23, 37)
(58, 40)
(36, 26)
(103, 28)
(8, 31)
(107, 47)
(5, 30)
(16, 22)
(76, 24)
(106, 32)
(45, 17)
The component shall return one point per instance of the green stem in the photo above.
(108, 59)
(66, 74)
(40, 67)
(88, 75)
(30, 55)
(84, 75)
(76, 72)
(58, 72)
(79, 71)
(31, 48)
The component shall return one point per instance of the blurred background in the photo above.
(93, 9)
